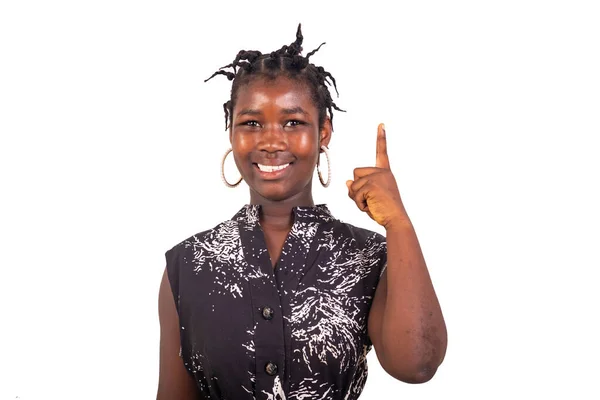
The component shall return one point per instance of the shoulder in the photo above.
(359, 243)
(215, 236)
(362, 237)
(219, 244)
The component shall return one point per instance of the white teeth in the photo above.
(272, 168)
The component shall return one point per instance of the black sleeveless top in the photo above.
(298, 331)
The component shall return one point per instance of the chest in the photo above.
(319, 294)
(274, 242)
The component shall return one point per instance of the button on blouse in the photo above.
(267, 313)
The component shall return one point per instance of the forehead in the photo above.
(280, 92)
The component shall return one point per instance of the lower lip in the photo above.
(272, 175)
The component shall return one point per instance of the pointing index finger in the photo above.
(382, 160)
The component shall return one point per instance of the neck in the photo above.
(278, 214)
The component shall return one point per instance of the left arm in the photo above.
(405, 323)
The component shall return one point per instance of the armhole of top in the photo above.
(382, 263)
(383, 258)
(383, 270)
(172, 265)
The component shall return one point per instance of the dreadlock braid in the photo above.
(287, 62)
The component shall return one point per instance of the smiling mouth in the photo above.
(272, 168)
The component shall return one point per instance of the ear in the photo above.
(325, 133)
(230, 134)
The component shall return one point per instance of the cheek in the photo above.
(307, 145)
(241, 144)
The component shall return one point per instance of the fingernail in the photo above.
(383, 129)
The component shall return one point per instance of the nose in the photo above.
(272, 139)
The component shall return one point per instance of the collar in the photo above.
(249, 214)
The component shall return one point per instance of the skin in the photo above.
(174, 381)
(405, 323)
(276, 122)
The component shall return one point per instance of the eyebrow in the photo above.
(287, 111)
(249, 111)
(295, 110)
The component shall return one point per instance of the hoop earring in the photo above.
(229, 185)
(325, 184)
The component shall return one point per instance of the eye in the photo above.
(252, 123)
(294, 122)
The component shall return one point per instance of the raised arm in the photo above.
(174, 382)
(405, 323)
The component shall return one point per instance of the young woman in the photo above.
(284, 301)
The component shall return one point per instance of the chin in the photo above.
(276, 194)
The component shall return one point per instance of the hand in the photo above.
(374, 189)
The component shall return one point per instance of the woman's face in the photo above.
(276, 138)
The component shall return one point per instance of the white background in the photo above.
(109, 155)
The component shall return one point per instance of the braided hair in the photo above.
(286, 62)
